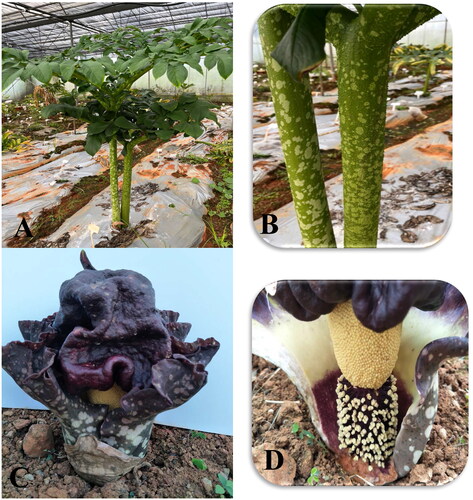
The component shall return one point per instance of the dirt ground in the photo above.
(278, 409)
(168, 471)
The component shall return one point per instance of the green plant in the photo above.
(225, 188)
(220, 152)
(220, 241)
(14, 142)
(225, 486)
(198, 434)
(199, 463)
(116, 114)
(314, 477)
(302, 433)
(461, 441)
(293, 40)
(421, 57)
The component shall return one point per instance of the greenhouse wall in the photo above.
(19, 89)
(210, 83)
(435, 32)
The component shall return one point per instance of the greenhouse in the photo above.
(352, 142)
(117, 124)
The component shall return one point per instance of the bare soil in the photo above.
(277, 406)
(167, 472)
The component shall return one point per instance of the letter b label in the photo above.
(269, 224)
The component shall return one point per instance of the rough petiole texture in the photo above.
(127, 177)
(363, 42)
(114, 181)
(296, 122)
(126, 187)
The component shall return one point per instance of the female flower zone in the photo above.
(365, 356)
(106, 364)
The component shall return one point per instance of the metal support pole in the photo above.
(71, 36)
(332, 62)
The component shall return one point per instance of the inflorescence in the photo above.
(367, 420)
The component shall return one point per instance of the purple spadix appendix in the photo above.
(106, 364)
(365, 356)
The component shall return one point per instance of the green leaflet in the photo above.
(16, 53)
(224, 64)
(160, 69)
(55, 68)
(192, 129)
(210, 61)
(177, 74)
(200, 109)
(302, 47)
(108, 64)
(28, 72)
(198, 23)
(67, 109)
(9, 76)
(43, 72)
(92, 144)
(178, 115)
(93, 71)
(189, 39)
(165, 135)
(67, 69)
(193, 60)
(97, 127)
(138, 64)
(122, 122)
(169, 106)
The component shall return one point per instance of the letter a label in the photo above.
(25, 229)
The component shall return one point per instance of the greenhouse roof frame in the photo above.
(48, 27)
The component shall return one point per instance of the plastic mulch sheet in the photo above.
(415, 199)
(32, 182)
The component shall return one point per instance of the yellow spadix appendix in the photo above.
(364, 355)
(110, 397)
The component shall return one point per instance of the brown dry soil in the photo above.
(167, 473)
(444, 457)
(275, 192)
